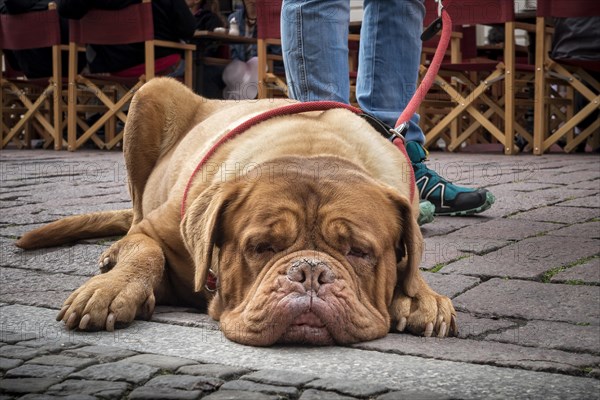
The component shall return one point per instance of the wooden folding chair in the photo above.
(483, 95)
(558, 80)
(268, 14)
(132, 24)
(32, 104)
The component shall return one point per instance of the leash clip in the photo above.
(440, 7)
(398, 132)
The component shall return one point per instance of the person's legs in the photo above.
(387, 79)
(314, 41)
(390, 51)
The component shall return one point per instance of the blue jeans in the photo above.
(314, 35)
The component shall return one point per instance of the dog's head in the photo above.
(306, 251)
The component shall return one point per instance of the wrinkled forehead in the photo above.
(316, 192)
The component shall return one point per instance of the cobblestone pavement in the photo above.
(524, 276)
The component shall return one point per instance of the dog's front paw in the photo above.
(106, 301)
(425, 314)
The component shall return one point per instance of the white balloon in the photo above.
(241, 80)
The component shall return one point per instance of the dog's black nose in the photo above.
(311, 273)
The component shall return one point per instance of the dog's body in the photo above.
(304, 220)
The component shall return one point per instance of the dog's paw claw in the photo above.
(428, 330)
(442, 331)
(61, 313)
(72, 320)
(110, 322)
(401, 325)
(83, 324)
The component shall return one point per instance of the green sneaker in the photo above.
(426, 212)
(448, 198)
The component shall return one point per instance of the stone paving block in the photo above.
(587, 201)
(312, 394)
(27, 385)
(214, 370)
(102, 389)
(470, 326)
(275, 377)
(445, 249)
(249, 386)
(11, 231)
(356, 389)
(414, 395)
(185, 382)
(591, 185)
(480, 352)
(21, 352)
(552, 335)
(511, 202)
(101, 353)
(160, 361)
(444, 225)
(532, 300)
(48, 397)
(589, 230)
(186, 319)
(152, 393)
(80, 259)
(39, 371)
(528, 186)
(15, 337)
(529, 258)
(117, 371)
(588, 273)
(568, 178)
(9, 363)
(37, 288)
(63, 361)
(50, 345)
(239, 395)
(450, 285)
(565, 215)
(503, 228)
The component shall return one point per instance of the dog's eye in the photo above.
(264, 248)
(357, 252)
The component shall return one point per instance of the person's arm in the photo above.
(183, 21)
(76, 9)
(23, 6)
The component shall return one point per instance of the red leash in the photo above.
(401, 124)
(434, 67)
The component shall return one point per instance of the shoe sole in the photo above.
(426, 212)
(489, 200)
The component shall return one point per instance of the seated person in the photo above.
(36, 63)
(207, 14)
(173, 21)
(208, 17)
(578, 39)
(245, 17)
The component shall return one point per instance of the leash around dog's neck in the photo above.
(296, 108)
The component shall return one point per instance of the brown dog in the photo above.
(303, 221)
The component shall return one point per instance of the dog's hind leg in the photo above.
(161, 113)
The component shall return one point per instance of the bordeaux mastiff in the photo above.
(302, 229)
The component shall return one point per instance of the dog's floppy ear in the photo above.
(409, 247)
(201, 227)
